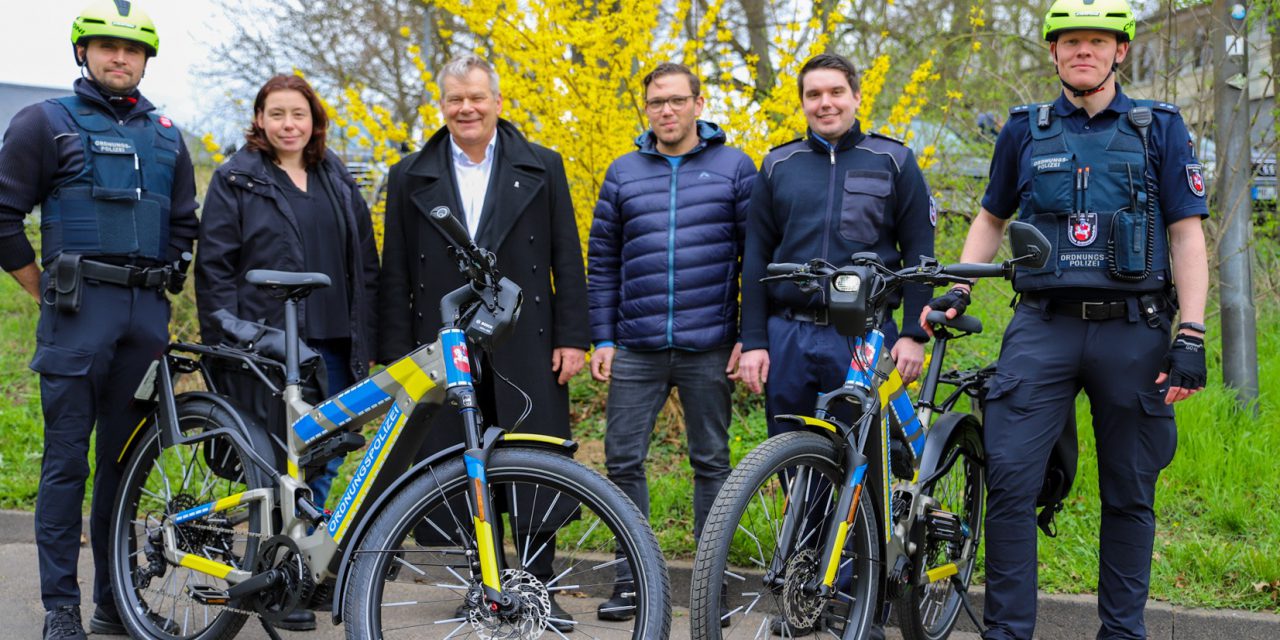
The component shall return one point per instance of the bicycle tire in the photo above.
(930, 611)
(158, 482)
(756, 486)
(585, 560)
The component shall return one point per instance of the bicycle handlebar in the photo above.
(975, 270)
(783, 268)
(443, 218)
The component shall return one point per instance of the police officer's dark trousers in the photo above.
(1047, 357)
(90, 363)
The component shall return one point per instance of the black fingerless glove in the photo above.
(956, 298)
(1185, 362)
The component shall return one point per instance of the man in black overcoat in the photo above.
(513, 197)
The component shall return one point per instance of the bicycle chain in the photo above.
(209, 527)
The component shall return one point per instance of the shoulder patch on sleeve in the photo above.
(877, 134)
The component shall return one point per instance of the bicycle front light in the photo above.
(848, 282)
(847, 303)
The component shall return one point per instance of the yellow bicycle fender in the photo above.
(806, 421)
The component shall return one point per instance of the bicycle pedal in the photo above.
(943, 525)
(205, 594)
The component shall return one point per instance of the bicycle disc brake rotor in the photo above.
(530, 622)
(274, 604)
(799, 608)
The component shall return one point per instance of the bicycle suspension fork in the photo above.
(462, 393)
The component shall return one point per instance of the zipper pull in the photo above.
(833, 156)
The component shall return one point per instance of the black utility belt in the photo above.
(1149, 304)
(125, 276)
(816, 316)
(69, 270)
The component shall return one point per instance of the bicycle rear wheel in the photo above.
(763, 585)
(565, 537)
(953, 531)
(153, 595)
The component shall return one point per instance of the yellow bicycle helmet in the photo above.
(121, 19)
(1102, 15)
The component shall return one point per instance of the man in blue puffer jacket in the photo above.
(663, 266)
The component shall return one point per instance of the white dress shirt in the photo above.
(473, 181)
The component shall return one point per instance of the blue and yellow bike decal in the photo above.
(842, 533)
(484, 531)
(404, 376)
(221, 504)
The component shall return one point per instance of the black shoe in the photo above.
(63, 623)
(106, 622)
(725, 618)
(620, 607)
(299, 620)
(560, 619)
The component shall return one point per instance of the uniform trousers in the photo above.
(1046, 359)
(90, 364)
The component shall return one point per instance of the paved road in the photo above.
(1060, 617)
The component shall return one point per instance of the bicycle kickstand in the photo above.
(964, 600)
(274, 634)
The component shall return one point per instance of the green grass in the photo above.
(22, 446)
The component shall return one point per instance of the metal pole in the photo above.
(1235, 251)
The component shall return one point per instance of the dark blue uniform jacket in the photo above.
(813, 201)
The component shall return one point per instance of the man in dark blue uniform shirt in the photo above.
(836, 192)
(1113, 184)
(116, 193)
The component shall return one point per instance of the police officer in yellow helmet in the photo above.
(116, 192)
(1113, 183)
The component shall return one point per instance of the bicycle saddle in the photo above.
(287, 284)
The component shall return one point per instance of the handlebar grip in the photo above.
(443, 218)
(975, 270)
(783, 268)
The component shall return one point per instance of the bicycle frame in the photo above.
(429, 376)
(885, 411)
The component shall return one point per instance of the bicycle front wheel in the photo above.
(568, 535)
(154, 596)
(953, 529)
(746, 584)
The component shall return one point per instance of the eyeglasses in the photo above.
(677, 103)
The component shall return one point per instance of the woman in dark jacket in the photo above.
(284, 202)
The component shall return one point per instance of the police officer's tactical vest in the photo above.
(1089, 196)
(118, 204)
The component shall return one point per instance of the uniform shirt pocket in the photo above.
(863, 203)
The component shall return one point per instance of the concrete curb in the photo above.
(1060, 617)
(1073, 617)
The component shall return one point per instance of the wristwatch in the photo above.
(1194, 326)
